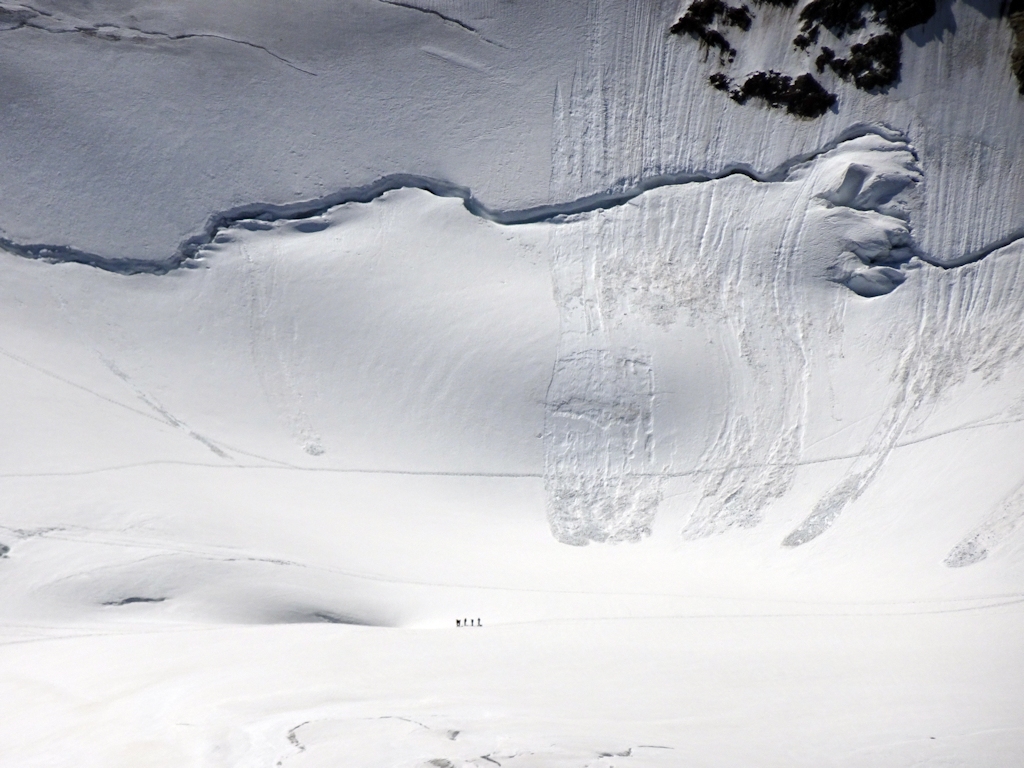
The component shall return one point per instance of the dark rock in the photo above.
(738, 17)
(842, 17)
(804, 96)
(705, 11)
(803, 41)
(1015, 16)
(720, 82)
(701, 14)
(808, 98)
(901, 15)
(872, 64)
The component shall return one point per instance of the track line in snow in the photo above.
(162, 411)
(467, 474)
(159, 417)
(58, 377)
(277, 466)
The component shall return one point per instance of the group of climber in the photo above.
(468, 623)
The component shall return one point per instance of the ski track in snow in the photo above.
(163, 413)
(156, 413)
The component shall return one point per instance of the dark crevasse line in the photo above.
(189, 250)
(65, 254)
(613, 197)
(431, 12)
(131, 600)
(445, 18)
(15, 18)
(977, 255)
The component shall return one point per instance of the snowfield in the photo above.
(710, 416)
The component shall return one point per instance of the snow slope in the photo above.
(364, 417)
(712, 417)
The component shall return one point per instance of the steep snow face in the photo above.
(128, 124)
(639, 104)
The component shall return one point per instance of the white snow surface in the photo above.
(726, 460)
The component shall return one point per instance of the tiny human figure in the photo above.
(479, 623)
(458, 623)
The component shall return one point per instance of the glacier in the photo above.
(324, 328)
